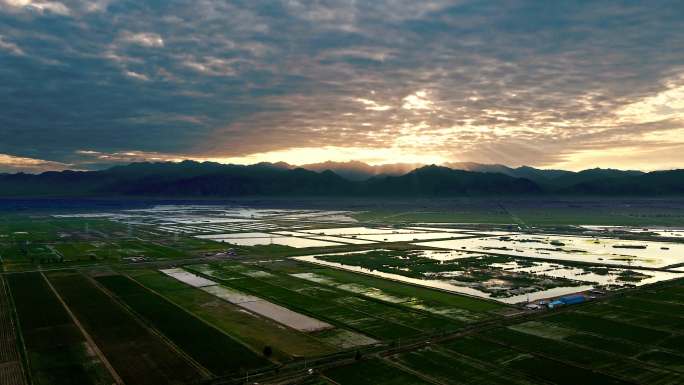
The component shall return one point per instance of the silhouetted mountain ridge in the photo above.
(355, 170)
(358, 171)
(207, 179)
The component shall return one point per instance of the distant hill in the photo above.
(358, 171)
(629, 183)
(207, 179)
(444, 181)
(588, 176)
(531, 173)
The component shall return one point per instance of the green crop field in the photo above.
(606, 327)
(575, 346)
(374, 372)
(521, 363)
(138, 355)
(150, 249)
(210, 347)
(445, 366)
(10, 359)
(68, 242)
(369, 316)
(56, 349)
(427, 296)
(559, 373)
(337, 313)
(144, 297)
(256, 332)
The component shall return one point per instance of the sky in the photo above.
(86, 84)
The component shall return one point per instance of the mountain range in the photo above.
(207, 179)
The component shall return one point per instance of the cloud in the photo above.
(91, 157)
(9, 163)
(10, 47)
(514, 82)
(417, 101)
(213, 66)
(54, 7)
(666, 104)
(372, 105)
(144, 39)
(137, 76)
(308, 155)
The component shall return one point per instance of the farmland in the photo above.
(257, 332)
(10, 360)
(142, 356)
(580, 345)
(207, 345)
(204, 294)
(57, 351)
(378, 319)
(55, 242)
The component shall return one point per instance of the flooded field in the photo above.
(445, 285)
(503, 278)
(242, 290)
(255, 239)
(353, 241)
(648, 231)
(276, 240)
(250, 303)
(609, 251)
(607, 276)
(410, 236)
(350, 231)
(496, 261)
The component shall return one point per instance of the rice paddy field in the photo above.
(136, 353)
(600, 343)
(56, 351)
(228, 294)
(11, 371)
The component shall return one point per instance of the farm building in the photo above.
(572, 299)
(555, 303)
(567, 300)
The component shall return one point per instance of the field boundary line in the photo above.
(148, 326)
(238, 308)
(345, 294)
(23, 354)
(87, 336)
(326, 378)
(561, 360)
(500, 369)
(211, 325)
(222, 282)
(303, 311)
(297, 309)
(416, 373)
(412, 284)
(472, 361)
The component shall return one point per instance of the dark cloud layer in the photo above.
(89, 83)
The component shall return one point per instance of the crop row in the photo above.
(210, 347)
(256, 332)
(137, 354)
(55, 347)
